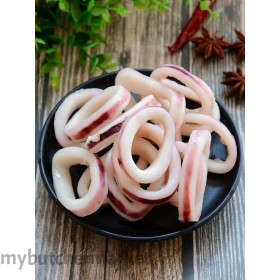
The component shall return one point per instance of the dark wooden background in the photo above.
(216, 250)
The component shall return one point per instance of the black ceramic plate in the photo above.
(162, 222)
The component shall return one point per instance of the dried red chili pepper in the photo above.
(191, 27)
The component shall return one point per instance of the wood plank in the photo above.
(219, 245)
(134, 260)
(143, 38)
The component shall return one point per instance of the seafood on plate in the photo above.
(155, 147)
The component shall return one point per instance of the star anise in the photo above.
(239, 46)
(209, 46)
(237, 82)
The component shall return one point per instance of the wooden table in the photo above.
(216, 250)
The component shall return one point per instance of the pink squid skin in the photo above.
(119, 205)
(82, 134)
(194, 175)
(146, 201)
(180, 98)
(85, 179)
(188, 172)
(203, 92)
(100, 192)
(86, 130)
(70, 104)
(185, 72)
(122, 166)
(101, 172)
(114, 130)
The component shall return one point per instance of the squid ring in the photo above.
(203, 92)
(97, 112)
(70, 104)
(217, 165)
(193, 176)
(98, 189)
(162, 160)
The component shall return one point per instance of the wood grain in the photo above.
(158, 260)
(219, 245)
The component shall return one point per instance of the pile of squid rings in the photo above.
(146, 162)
